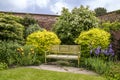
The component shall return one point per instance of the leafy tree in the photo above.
(70, 24)
(100, 11)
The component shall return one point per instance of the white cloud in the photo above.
(110, 5)
(24, 4)
(57, 7)
(19, 4)
(42, 3)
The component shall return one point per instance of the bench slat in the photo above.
(74, 57)
(66, 49)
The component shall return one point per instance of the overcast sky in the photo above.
(54, 6)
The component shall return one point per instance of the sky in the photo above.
(54, 7)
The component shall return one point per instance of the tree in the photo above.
(100, 11)
(71, 24)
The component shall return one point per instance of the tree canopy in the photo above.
(71, 24)
(100, 11)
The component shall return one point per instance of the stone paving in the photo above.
(63, 69)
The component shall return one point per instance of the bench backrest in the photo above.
(65, 49)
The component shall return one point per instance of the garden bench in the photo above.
(69, 52)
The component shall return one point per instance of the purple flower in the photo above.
(98, 50)
(105, 52)
(110, 46)
(110, 50)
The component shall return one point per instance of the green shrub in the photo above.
(114, 72)
(108, 26)
(28, 20)
(11, 28)
(3, 66)
(30, 24)
(7, 18)
(92, 39)
(108, 69)
(32, 28)
(98, 65)
(70, 24)
(42, 40)
(14, 54)
(27, 55)
(8, 52)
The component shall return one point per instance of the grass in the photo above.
(35, 74)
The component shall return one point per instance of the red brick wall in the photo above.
(46, 21)
(112, 16)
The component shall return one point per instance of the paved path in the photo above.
(63, 69)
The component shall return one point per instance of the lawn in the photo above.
(35, 74)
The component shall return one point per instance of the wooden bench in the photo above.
(70, 52)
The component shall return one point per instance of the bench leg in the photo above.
(45, 57)
(45, 60)
(78, 62)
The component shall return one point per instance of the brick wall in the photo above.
(111, 16)
(46, 21)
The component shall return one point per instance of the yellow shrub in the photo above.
(93, 38)
(42, 40)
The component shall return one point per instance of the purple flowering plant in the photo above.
(103, 52)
